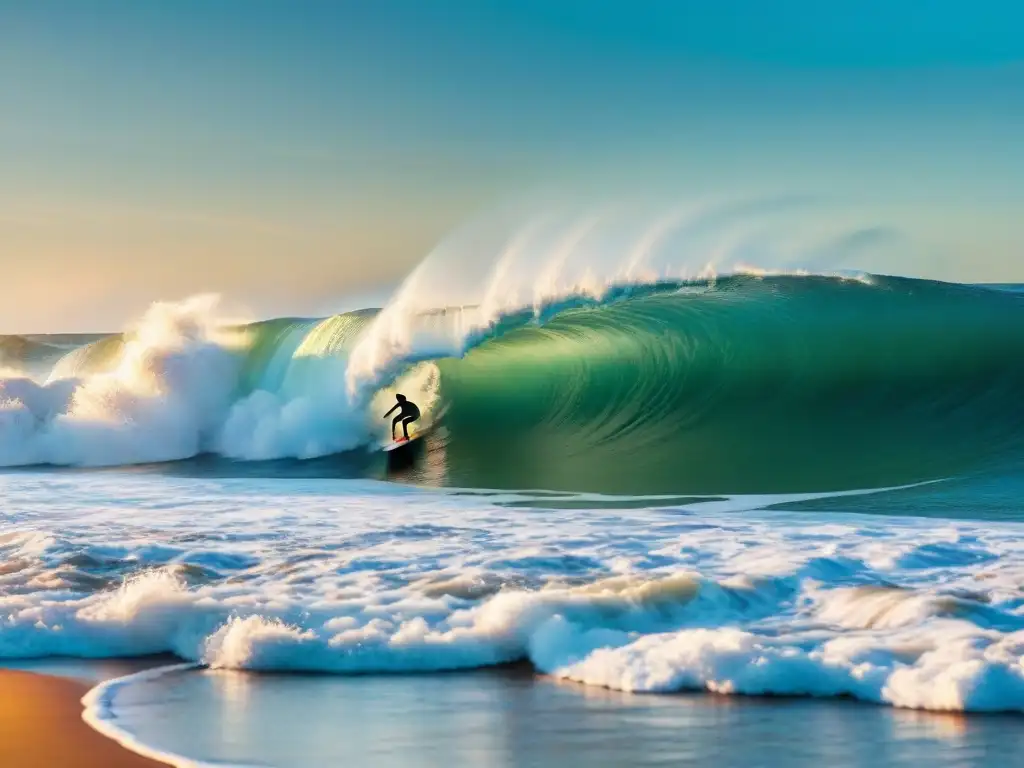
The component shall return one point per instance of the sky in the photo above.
(301, 158)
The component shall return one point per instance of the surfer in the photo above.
(407, 415)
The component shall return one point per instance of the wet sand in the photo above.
(41, 726)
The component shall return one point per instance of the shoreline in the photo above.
(51, 728)
(41, 726)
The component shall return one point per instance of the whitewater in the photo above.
(738, 596)
(704, 450)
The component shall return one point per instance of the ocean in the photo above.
(754, 519)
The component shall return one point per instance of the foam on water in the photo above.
(101, 714)
(363, 577)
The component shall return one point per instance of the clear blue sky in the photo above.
(288, 154)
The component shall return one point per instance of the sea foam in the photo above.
(359, 577)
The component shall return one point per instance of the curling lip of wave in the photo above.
(744, 385)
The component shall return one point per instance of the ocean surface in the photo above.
(759, 517)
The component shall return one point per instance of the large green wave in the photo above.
(786, 384)
(740, 385)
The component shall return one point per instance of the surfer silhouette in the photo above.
(407, 415)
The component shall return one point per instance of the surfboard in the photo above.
(395, 445)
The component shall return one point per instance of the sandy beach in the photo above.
(41, 726)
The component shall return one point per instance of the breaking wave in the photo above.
(741, 384)
(573, 355)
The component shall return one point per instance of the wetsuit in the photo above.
(407, 415)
